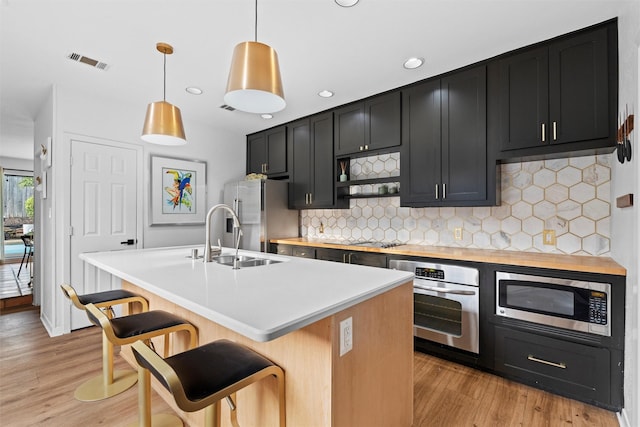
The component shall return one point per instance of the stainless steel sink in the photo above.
(257, 262)
(228, 259)
(243, 261)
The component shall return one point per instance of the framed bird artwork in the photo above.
(178, 191)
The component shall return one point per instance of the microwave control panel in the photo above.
(598, 308)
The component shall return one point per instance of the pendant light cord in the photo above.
(256, 23)
(164, 73)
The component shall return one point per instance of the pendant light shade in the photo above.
(254, 84)
(163, 122)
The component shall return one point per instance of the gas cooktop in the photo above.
(371, 244)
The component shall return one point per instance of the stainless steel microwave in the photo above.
(563, 303)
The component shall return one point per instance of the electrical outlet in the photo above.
(457, 233)
(549, 237)
(346, 336)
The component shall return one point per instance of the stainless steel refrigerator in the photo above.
(262, 209)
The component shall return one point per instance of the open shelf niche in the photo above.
(367, 177)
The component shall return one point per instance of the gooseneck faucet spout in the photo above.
(208, 256)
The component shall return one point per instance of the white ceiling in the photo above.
(355, 52)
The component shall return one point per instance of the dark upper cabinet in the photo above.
(311, 183)
(444, 154)
(560, 93)
(267, 152)
(372, 124)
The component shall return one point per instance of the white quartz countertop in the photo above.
(262, 302)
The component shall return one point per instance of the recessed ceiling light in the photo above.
(412, 63)
(194, 90)
(346, 3)
(325, 93)
(266, 116)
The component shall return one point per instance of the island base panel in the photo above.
(371, 385)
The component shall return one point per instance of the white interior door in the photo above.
(103, 212)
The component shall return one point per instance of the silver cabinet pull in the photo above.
(546, 362)
(437, 195)
(444, 191)
(366, 147)
(310, 198)
(361, 148)
(554, 131)
(543, 132)
(344, 258)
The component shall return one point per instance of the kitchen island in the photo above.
(290, 311)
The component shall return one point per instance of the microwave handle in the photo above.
(444, 290)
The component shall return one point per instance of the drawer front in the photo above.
(363, 258)
(571, 369)
(284, 250)
(303, 252)
(335, 255)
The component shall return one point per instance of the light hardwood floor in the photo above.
(38, 375)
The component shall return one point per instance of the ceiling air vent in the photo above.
(227, 107)
(89, 61)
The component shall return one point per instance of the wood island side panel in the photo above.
(371, 385)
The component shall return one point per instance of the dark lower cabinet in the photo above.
(351, 257)
(560, 96)
(444, 154)
(298, 251)
(575, 370)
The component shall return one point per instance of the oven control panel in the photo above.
(429, 273)
(598, 308)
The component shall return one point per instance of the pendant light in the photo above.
(254, 83)
(163, 122)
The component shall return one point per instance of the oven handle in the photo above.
(444, 290)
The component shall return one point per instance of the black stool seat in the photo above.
(142, 323)
(201, 377)
(98, 297)
(213, 367)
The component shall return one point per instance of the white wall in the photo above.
(76, 114)
(625, 233)
(15, 163)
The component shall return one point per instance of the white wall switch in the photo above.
(346, 336)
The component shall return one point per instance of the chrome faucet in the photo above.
(208, 256)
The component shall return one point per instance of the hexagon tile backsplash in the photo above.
(569, 196)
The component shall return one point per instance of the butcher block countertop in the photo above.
(582, 263)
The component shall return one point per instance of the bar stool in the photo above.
(202, 377)
(109, 383)
(28, 255)
(144, 326)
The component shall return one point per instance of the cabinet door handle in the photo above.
(307, 198)
(543, 132)
(554, 131)
(560, 365)
(350, 255)
(444, 191)
(344, 258)
(366, 147)
(361, 148)
(437, 195)
(310, 198)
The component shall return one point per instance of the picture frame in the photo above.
(177, 191)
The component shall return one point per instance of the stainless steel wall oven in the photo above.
(446, 303)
